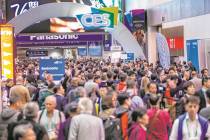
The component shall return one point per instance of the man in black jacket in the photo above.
(202, 93)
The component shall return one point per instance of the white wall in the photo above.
(152, 48)
(194, 28)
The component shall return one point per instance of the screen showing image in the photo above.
(95, 50)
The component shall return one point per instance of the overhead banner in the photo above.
(57, 39)
(7, 51)
(56, 67)
(99, 18)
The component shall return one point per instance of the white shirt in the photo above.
(191, 129)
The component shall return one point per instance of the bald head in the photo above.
(50, 103)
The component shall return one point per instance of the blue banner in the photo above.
(130, 56)
(94, 50)
(82, 51)
(56, 67)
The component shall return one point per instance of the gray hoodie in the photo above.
(7, 116)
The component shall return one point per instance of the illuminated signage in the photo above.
(99, 18)
(7, 51)
(95, 20)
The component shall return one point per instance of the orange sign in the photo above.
(7, 51)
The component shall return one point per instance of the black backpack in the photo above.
(113, 129)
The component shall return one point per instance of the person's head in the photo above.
(107, 102)
(9, 83)
(140, 116)
(152, 87)
(22, 92)
(192, 106)
(19, 80)
(80, 92)
(171, 71)
(124, 99)
(154, 100)
(189, 88)
(206, 82)
(122, 77)
(71, 109)
(90, 76)
(30, 110)
(24, 132)
(205, 72)
(58, 89)
(51, 86)
(131, 75)
(15, 102)
(85, 105)
(50, 103)
(97, 79)
(74, 81)
(194, 74)
(130, 84)
(186, 75)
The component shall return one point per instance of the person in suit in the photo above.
(85, 126)
(202, 93)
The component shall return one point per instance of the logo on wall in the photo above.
(99, 18)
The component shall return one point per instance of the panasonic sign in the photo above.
(53, 37)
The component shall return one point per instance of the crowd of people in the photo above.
(100, 100)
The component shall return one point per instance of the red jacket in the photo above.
(158, 130)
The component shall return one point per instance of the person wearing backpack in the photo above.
(123, 113)
(138, 128)
(112, 124)
(71, 111)
(190, 126)
(159, 121)
(51, 118)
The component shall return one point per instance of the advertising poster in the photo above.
(94, 49)
(61, 24)
(56, 67)
(82, 51)
(7, 51)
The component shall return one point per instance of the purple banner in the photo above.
(57, 39)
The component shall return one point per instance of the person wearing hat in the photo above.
(70, 111)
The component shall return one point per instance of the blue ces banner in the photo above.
(56, 67)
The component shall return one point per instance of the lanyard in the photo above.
(188, 129)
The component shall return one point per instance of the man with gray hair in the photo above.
(85, 126)
(30, 113)
(50, 117)
(24, 132)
